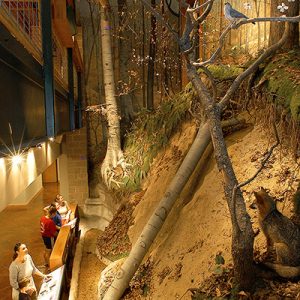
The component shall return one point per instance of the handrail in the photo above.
(22, 18)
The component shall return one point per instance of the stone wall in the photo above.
(73, 166)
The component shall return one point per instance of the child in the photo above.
(23, 286)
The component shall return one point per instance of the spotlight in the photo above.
(39, 146)
(51, 139)
(16, 160)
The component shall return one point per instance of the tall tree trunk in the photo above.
(114, 153)
(152, 54)
(127, 112)
(277, 28)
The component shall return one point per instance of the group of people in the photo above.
(55, 216)
(22, 267)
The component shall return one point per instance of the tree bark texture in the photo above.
(242, 233)
(127, 111)
(114, 152)
(152, 54)
(277, 28)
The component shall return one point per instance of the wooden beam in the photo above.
(77, 57)
(61, 23)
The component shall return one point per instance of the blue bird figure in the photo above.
(233, 15)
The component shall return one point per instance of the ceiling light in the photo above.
(16, 160)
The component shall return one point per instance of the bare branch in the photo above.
(237, 25)
(169, 5)
(217, 52)
(295, 19)
(263, 163)
(212, 80)
(200, 19)
(190, 25)
(161, 19)
(197, 8)
(235, 85)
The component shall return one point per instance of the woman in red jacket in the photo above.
(48, 232)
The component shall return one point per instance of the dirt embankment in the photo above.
(199, 225)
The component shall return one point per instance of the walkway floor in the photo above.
(21, 224)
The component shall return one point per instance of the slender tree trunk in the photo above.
(114, 152)
(157, 219)
(126, 97)
(152, 54)
(242, 233)
(277, 28)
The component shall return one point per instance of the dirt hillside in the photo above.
(199, 226)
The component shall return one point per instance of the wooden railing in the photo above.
(65, 245)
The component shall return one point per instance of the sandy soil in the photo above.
(90, 268)
(199, 225)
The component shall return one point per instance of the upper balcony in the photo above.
(22, 19)
(22, 70)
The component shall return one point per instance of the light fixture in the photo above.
(39, 146)
(16, 160)
(51, 138)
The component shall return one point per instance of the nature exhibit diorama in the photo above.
(191, 110)
(193, 125)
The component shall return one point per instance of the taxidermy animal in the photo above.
(233, 15)
(281, 233)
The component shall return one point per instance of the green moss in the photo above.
(224, 72)
(295, 104)
(282, 77)
(115, 257)
(151, 132)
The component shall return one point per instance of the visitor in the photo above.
(22, 267)
(56, 219)
(48, 232)
(63, 209)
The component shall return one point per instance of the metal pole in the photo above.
(48, 66)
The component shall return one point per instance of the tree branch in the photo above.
(263, 163)
(295, 19)
(236, 83)
(161, 19)
(169, 5)
(190, 26)
(197, 8)
(217, 52)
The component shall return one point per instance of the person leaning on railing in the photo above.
(22, 267)
(48, 232)
(63, 208)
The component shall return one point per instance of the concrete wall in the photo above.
(72, 164)
(20, 182)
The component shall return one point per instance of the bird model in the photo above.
(233, 15)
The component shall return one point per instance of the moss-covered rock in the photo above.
(222, 72)
(281, 80)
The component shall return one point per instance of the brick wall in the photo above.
(75, 148)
